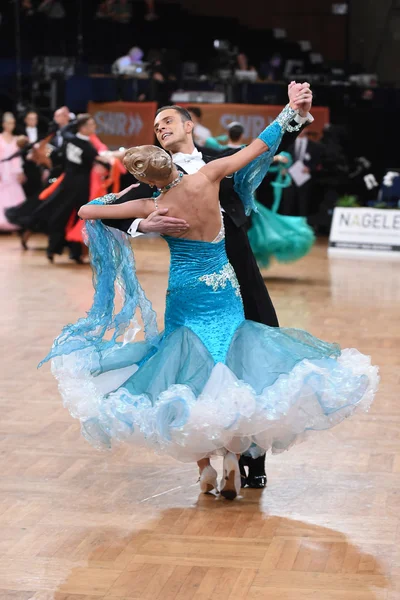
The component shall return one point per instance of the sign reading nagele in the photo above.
(365, 230)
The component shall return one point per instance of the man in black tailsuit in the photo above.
(33, 173)
(173, 128)
(299, 200)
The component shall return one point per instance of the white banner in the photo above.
(368, 231)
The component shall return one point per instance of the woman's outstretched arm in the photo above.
(104, 207)
(133, 209)
(221, 167)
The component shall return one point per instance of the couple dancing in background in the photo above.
(88, 169)
(216, 381)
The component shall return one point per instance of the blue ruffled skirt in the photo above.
(274, 386)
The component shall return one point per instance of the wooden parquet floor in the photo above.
(76, 524)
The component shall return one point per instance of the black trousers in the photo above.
(257, 303)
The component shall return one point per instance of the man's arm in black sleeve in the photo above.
(289, 138)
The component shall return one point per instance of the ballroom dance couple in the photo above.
(222, 378)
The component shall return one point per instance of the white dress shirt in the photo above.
(303, 120)
(32, 134)
(58, 139)
(191, 163)
(300, 148)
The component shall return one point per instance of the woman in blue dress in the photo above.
(212, 382)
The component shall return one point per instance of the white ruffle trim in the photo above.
(228, 414)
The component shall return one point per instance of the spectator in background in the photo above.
(11, 171)
(33, 172)
(200, 132)
(242, 63)
(235, 135)
(334, 176)
(62, 117)
(31, 129)
(233, 140)
(134, 57)
(299, 197)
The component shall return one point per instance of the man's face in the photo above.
(89, 128)
(61, 117)
(170, 130)
(31, 119)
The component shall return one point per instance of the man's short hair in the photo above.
(82, 120)
(235, 131)
(185, 114)
(196, 111)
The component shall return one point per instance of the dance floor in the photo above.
(78, 524)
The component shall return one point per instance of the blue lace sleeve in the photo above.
(114, 273)
(248, 179)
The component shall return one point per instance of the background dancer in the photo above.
(272, 235)
(47, 153)
(74, 189)
(11, 172)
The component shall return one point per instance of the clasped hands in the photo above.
(300, 97)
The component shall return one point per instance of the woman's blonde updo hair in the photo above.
(148, 162)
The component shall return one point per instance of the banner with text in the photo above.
(368, 231)
(124, 123)
(253, 117)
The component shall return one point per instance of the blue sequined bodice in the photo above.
(203, 293)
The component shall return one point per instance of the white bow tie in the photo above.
(180, 157)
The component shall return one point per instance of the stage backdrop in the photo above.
(131, 123)
(253, 117)
(124, 123)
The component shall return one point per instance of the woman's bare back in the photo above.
(196, 200)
